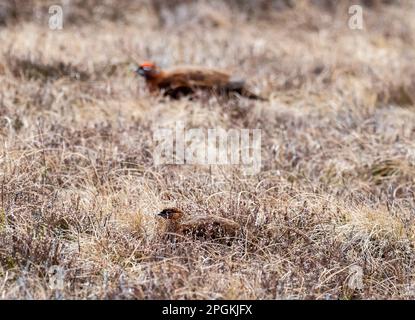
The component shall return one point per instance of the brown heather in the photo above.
(79, 189)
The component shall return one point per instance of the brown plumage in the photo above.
(176, 82)
(199, 227)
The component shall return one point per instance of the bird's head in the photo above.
(147, 69)
(171, 214)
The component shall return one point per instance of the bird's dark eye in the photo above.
(140, 71)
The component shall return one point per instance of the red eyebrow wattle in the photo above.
(147, 64)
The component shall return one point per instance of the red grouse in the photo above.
(199, 227)
(185, 80)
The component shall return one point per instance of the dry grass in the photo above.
(336, 189)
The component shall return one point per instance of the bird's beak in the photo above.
(140, 71)
(136, 69)
(163, 215)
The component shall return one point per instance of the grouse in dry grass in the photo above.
(186, 80)
(209, 227)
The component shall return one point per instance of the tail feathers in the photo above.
(234, 85)
(248, 94)
(238, 86)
